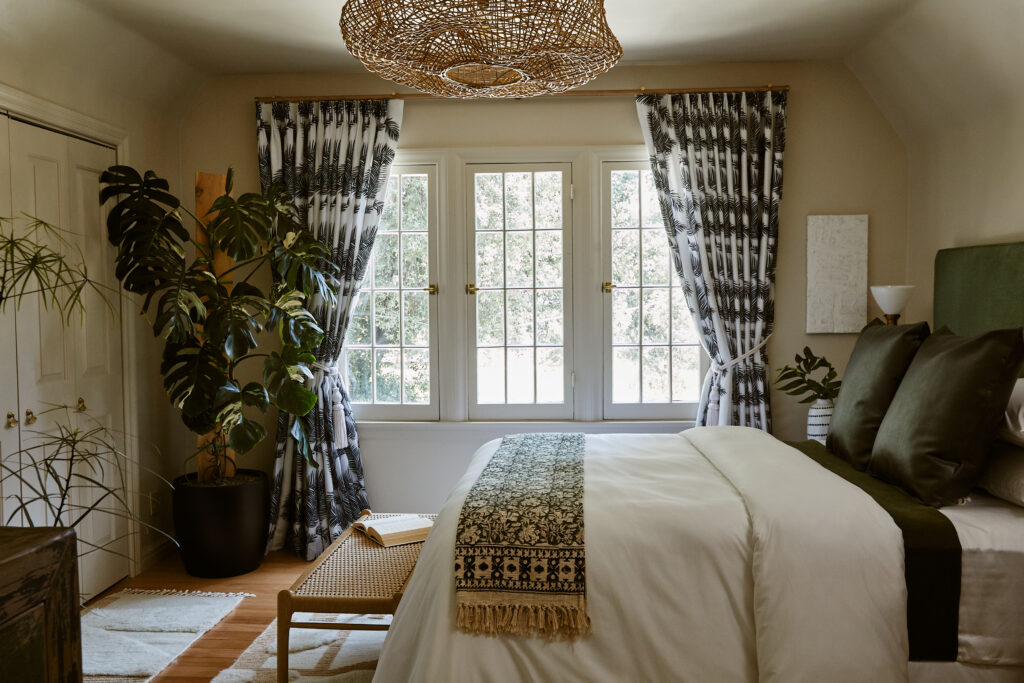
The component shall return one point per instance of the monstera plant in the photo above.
(210, 323)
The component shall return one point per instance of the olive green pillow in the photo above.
(936, 437)
(878, 362)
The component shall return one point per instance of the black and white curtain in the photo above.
(334, 158)
(717, 165)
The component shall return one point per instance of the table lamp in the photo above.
(891, 299)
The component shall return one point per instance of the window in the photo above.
(653, 356)
(520, 218)
(390, 342)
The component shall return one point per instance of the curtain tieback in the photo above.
(337, 403)
(722, 367)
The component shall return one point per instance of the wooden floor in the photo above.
(218, 649)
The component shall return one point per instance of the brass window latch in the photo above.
(607, 287)
(471, 288)
(431, 290)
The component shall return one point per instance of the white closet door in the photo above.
(56, 178)
(39, 188)
(9, 439)
(97, 362)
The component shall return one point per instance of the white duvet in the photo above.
(719, 554)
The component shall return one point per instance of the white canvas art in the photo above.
(837, 273)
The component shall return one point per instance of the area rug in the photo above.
(314, 655)
(133, 635)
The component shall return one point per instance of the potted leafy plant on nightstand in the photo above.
(209, 323)
(821, 393)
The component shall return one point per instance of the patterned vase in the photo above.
(818, 418)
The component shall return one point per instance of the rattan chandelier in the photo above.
(481, 48)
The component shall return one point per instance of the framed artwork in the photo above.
(837, 273)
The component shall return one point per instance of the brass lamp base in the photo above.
(891, 318)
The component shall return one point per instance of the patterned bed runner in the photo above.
(519, 555)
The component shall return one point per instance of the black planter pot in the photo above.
(222, 528)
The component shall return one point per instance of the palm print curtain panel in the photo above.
(717, 165)
(334, 158)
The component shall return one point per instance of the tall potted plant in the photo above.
(209, 323)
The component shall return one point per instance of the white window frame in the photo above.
(428, 411)
(521, 411)
(629, 411)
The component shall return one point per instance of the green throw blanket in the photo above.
(519, 555)
(931, 558)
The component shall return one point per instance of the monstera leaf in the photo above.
(233, 321)
(183, 304)
(301, 263)
(146, 227)
(193, 374)
(295, 325)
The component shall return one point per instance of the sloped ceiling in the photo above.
(944, 63)
(271, 36)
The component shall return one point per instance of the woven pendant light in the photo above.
(481, 48)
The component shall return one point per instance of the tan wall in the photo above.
(948, 76)
(841, 157)
(61, 51)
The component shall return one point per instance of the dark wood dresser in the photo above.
(40, 635)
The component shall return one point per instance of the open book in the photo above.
(396, 530)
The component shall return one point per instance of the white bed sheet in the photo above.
(991, 623)
(724, 537)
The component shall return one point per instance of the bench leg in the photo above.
(284, 623)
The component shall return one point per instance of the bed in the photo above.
(705, 564)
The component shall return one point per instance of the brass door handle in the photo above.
(12, 420)
(471, 289)
(607, 287)
(81, 405)
(30, 417)
(431, 290)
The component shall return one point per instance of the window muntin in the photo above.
(519, 263)
(389, 342)
(654, 358)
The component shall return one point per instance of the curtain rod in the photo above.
(569, 93)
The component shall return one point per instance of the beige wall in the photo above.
(947, 74)
(61, 51)
(841, 157)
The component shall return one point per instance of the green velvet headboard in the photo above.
(978, 289)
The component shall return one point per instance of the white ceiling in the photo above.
(265, 36)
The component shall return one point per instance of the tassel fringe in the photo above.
(195, 594)
(551, 622)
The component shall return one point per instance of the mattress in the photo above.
(991, 624)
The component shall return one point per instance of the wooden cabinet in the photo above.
(40, 635)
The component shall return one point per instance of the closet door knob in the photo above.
(30, 417)
(81, 405)
(12, 421)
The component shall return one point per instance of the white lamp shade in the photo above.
(892, 298)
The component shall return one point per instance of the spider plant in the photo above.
(68, 473)
(37, 258)
(52, 471)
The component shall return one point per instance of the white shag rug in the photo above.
(133, 635)
(314, 655)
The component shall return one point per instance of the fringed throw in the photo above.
(520, 562)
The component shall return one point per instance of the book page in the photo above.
(398, 524)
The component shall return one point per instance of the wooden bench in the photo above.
(353, 576)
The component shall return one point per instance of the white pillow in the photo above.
(1003, 476)
(1013, 423)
